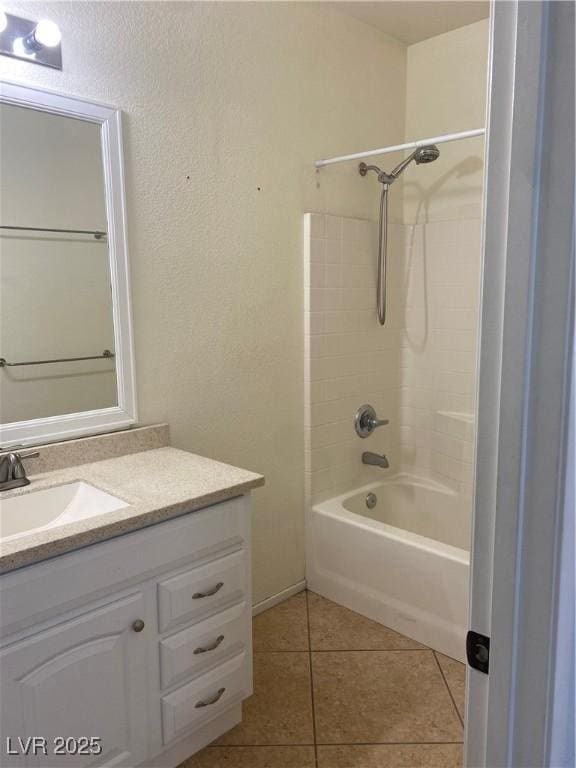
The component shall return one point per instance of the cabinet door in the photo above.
(85, 677)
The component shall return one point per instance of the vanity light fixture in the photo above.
(35, 41)
(46, 34)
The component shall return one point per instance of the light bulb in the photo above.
(3, 21)
(47, 34)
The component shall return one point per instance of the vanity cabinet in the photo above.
(141, 643)
(80, 678)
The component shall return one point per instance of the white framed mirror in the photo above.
(66, 341)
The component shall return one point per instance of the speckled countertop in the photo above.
(158, 484)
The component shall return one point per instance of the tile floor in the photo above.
(335, 690)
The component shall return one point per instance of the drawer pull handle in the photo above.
(138, 625)
(213, 700)
(208, 593)
(212, 647)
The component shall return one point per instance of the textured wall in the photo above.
(226, 108)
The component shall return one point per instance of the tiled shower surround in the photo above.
(417, 370)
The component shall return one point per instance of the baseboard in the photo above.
(270, 602)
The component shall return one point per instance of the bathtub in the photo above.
(404, 563)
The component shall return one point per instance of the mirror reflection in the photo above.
(56, 319)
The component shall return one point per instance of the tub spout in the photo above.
(375, 459)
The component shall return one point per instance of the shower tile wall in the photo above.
(349, 359)
(441, 276)
(418, 370)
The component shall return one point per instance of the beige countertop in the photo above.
(158, 485)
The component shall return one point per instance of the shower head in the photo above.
(421, 156)
(427, 154)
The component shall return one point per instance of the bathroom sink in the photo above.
(53, 507)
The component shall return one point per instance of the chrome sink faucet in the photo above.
(375, 459)
(12, 471)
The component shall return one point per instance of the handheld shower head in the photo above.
(425, 155)
(421, 156)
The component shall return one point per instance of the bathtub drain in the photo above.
(371, 500)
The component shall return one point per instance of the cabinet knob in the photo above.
(138, 625)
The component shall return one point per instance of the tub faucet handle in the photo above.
(366, 421)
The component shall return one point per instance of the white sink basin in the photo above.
(52, 507)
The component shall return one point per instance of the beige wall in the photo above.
(226, 108)
(446, 93)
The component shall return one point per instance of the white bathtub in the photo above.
(404, 563)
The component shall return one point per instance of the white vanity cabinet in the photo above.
(78, 677)
(141, 644)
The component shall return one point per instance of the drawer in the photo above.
(67, 581)
(207, 697)
(202, 646)
(201, 591)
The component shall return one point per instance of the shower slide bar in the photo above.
(399, 147)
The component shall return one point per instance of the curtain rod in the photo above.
(400, 147)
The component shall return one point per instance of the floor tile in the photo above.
(391, 756)
(381, 696)
(284, 627)
(334, 628)
(280, 711)
(252, 757)
(455, 674)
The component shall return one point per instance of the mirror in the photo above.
(65, 334)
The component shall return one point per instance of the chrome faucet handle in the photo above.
(19, 472)
(379, 422)
(11, 455)
(366, 421)
(14, 450)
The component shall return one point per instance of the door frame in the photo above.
(525, 352)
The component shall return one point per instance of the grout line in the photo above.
(384, 743)
(351, 650)
(311, 680)
(334, 744)
(448, 689)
